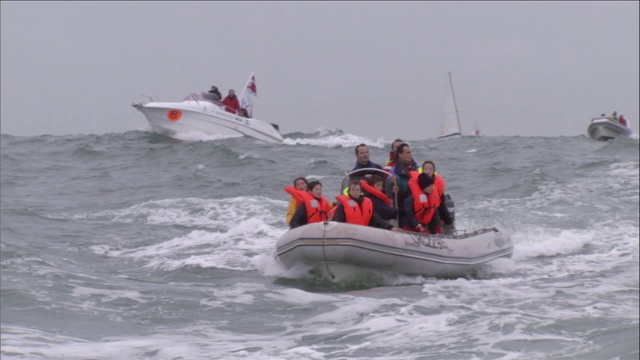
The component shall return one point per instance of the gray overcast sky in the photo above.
(376, 69)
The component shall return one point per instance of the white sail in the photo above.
(450, 126)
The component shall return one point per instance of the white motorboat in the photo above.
(198, 114)
(450, 126)
(332, 245)
(605, 128)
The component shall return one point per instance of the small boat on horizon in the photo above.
(196, 113)
(605, 128)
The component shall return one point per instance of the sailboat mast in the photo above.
(455, 105)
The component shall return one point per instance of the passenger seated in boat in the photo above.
(299, 184)
(213, 95)
(429, 167)
(382, 205)
(314, 209)
(231, 103)
(622, 120)
(614, 116)
(420, 207)
(363, 162)
(358, 210)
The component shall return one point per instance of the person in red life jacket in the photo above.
(382, 206)
(400, 173)
(420, 208)
(363, 162)
(358, 210)
(231, 103)
(622, 120)
(314, 209)
(392, 154)
(299, 184)
(429, 167)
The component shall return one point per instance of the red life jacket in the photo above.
(424, 206)
(317, 210)
(375, 192)
(352, 211)
(438, 183)
(295, 193)
(331, 213)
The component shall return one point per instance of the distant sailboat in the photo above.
(450, 126)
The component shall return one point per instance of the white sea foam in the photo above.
(334, 139)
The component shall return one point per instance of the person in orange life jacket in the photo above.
(358, 210)
(231, 103)
(420, 208)
(372, 189)
(429, 167)
(363, 162)
(299, 184)
(314, 209)
(400, 176)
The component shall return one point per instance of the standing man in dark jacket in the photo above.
(213, 94)
(363, 162)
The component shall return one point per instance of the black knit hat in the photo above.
(424, 180)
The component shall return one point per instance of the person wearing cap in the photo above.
(420, 207)
(213, 94)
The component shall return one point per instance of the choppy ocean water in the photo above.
(138, 246)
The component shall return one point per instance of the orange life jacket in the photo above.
(424, 206)
(317, 210)
(375, 192)
(353, 213)
(331, 213)
(295, 193)
(438, 183)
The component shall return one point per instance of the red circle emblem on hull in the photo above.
(174, 115)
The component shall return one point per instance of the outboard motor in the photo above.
(451, 206)
(452, 211)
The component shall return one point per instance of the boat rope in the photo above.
(324, 255)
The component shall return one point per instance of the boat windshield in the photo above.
(199, 97)
(359, 174)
